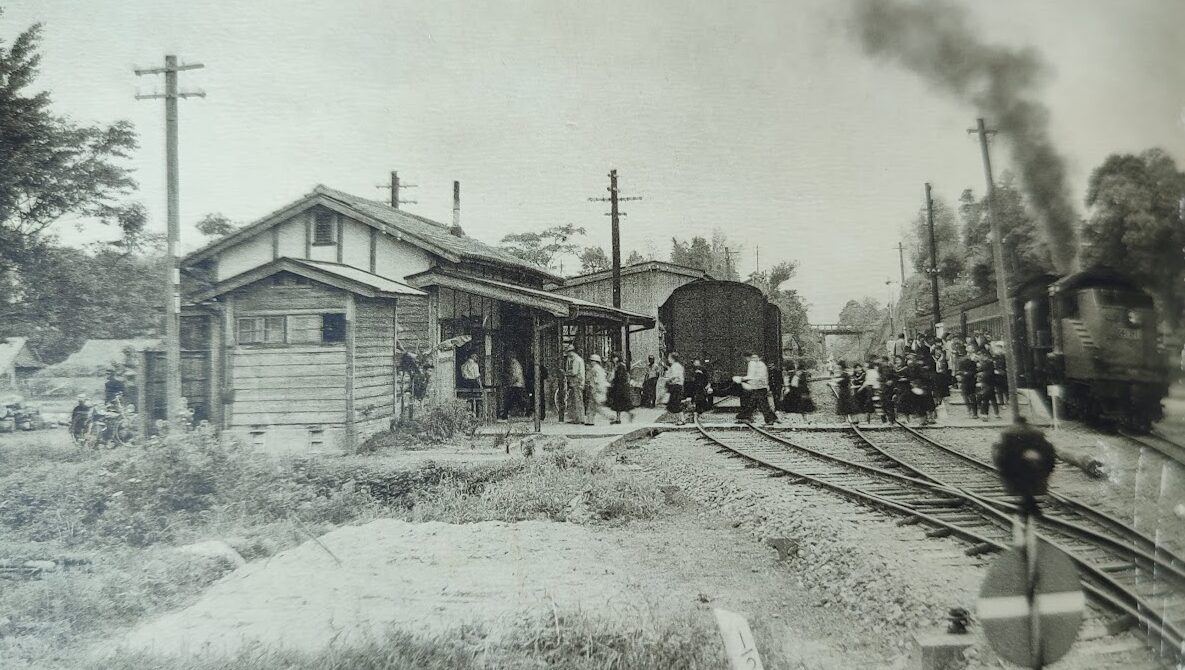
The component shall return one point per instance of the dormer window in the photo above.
(324, 228)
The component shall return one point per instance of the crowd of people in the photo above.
(914, 379)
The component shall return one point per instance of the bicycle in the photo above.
(113, 425)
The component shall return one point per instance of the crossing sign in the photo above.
(1003, 607)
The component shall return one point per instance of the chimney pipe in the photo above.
(456, 227)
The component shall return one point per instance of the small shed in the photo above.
(17, 362)
(300, 353)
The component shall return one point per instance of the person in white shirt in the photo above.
(755, 391)
(471, 373)
(596, 388)
(674, 385)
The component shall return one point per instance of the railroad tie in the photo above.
(939, 532)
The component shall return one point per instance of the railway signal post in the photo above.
(1031, 602)
(172, 177)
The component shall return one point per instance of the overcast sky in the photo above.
(763, 119)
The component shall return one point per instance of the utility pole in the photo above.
(933, 269)
(1001, 275)
(889, 298)
(615, 217)
(901, 260)
(395, 186)
(173, 400)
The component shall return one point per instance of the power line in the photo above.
(173, 399)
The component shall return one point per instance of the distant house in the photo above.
(645, 287)
(303, 316)
(17, 362)
(95, 356)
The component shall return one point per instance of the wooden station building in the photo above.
(294, 326)
(645, 287)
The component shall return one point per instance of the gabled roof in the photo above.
(644, 266)
(431, 236)
(99, 354)
(345, 277)
(15, 352)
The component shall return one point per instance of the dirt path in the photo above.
(432, 577)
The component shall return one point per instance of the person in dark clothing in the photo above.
(859, 395)
(845, 405)
(889, 391)
(112, 388)
(650, 383)
(985, 387)
(967, 384)
(798, 398)
(699, 388)
(619, 388)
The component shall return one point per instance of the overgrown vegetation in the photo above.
(113, 521)
(563, 640)
(434, 422)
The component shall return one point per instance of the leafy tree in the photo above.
(594, 259)
(51, 167)
(795, 323)
(866, 314)
(1025, 252)
(634, 258)
(69, 295)
(951, 261)
(216, 225)
(543, 247)
(1136, 223)
(711, 257)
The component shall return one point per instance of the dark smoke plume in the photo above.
(935, 41)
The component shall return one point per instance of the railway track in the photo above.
(1118, 572)
(1159, 443)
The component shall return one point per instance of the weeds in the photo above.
(576, 641)
(434, 422)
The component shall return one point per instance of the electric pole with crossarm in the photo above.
(173, 400)
(615, 215)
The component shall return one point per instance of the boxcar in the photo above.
(718, 322)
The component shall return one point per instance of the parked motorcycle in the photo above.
(94, 426)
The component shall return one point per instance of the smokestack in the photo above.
(456, 227)
(936, 42)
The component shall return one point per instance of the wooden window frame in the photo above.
(259, 329)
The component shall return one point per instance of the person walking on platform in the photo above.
(845, 405)
(574, 379)
(596, 388)
(967, 383)
(650, 383)
(899, 347)
(797, 399)
(755, 386)
(985, 386)
(699, 388)
(673, 381)
(619, 388)
(888, 380)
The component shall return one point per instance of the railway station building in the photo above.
(645, 287)
(300, 324)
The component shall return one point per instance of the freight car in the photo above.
(718, 322)
(1093, 332)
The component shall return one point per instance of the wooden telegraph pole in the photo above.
(395, 186)
(172, 296)
(933, 269)
(615, 215)
(1013, 359)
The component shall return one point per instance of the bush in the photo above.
(434, 422)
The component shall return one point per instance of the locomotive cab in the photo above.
(1104, 332)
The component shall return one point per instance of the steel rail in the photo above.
(1101, 586)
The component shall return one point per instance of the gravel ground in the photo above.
(888, 581)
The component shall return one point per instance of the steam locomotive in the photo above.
(1095, 334)
(718, 322)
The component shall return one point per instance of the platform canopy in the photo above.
(560, 306)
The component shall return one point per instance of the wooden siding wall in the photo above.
(414, 334)
(374, 365)
(292, 384)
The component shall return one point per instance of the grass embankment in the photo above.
(113, 521)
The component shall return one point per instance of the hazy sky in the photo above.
(763, 119)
